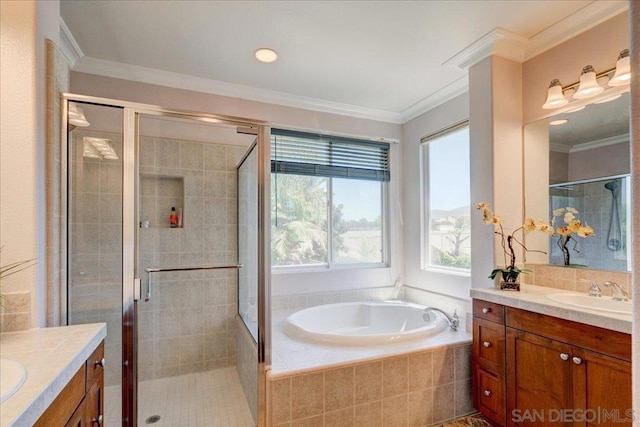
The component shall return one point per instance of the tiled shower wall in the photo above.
(593, 201)
(188, 325)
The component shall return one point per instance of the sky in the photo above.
(448, 171)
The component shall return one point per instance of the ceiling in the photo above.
(377, 56)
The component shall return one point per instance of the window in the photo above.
(446, 188)
(327, 200)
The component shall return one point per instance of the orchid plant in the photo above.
(511, 272)
(571, 225)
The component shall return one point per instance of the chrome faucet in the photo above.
(454, 321)
(594, 290)
(619, 294)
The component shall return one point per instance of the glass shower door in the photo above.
(95, 249)
(187, 206)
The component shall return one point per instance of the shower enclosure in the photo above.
(168, 244)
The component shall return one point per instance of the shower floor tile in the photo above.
(211, 399)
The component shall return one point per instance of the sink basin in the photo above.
(12, 376)
(585, 301)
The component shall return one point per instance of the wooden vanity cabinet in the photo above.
(81, 402)
(558, 372)
(488, 359)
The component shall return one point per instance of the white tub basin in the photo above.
(605, 304)
(12, 376)
(363, 323)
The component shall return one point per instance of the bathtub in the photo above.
(363, 323)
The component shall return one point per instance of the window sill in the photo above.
(449, 271)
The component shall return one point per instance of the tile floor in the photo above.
(205, 399)
(476, 420)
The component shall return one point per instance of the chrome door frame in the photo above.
(130, 217)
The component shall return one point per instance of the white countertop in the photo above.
(534, 298)
(51, 357)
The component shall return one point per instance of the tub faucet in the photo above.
(454, 321)
(619, 294)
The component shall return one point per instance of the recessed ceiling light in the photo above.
(266, 55)
(558, 122)
(611, 98)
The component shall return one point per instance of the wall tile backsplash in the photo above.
(568, 278)
(15, 312)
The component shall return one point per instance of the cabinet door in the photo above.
(94, 403)
(539, 378)
(602, 388)
(78, 419)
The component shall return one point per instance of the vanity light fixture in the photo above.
(266, 55)
(622, 75)
(558, 122)
(555, 96)
(76, 116)
(588, 84)
(98, 148)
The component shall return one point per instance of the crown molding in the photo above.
(70, 48)
(598, 143)
(560, 148)
(498, 41)
(140, 74)
(569, 27)
(439, 97)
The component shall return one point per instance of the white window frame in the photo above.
(425, 218)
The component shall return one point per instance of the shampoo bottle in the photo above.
(173, 218)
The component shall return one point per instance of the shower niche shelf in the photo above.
(158, 194)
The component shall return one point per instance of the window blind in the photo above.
(301, 153)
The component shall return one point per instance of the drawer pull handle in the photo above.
(577, 360)
(487, 393)
(564, 356)
(486, 310)
(100, 362)
(97, 420)
(486, 344)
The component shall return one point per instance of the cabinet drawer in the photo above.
(488, 311)
(95, 364)
(489, 344)
(490, 395)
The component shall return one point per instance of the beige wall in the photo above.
(635, 151)
(24, 25)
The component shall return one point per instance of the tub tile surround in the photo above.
(306, 300)
(15, 312)
(421, 388)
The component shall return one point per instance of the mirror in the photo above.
(581, 159)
